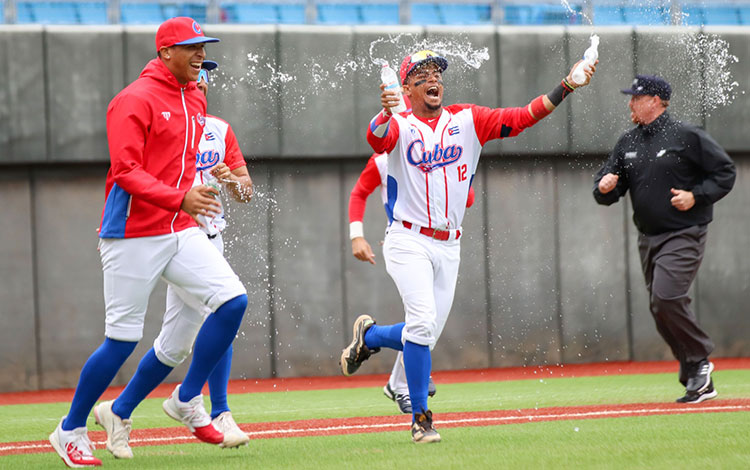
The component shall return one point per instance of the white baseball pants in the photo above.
(133, 266)
(425, 271)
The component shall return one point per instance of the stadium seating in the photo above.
(425, 13)
(541, 14)
(92, 12)
(380, 13)
(338, 13)
(47, 12)
(465, 13)
(744, 14)
(608, 15)
(251, 13)
(647, 16)
(717, 14)
(141, 13)
(292, 13)
(2, 13)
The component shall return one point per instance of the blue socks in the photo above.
(96, 375)
(385, 336)
(417, 364)
(214, 338)
(217, 384)
(151, 372)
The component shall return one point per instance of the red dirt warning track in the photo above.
(329, 427)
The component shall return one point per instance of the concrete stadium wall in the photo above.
(547, 275)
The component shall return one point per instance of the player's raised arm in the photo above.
(381, 134)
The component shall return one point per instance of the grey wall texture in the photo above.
(547, 276)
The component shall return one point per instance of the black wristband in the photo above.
(559, 93)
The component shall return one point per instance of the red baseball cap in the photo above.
(419, 58)
(180, 31)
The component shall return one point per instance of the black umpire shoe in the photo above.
(699, 377)
(697, 397)
(357, 352)
(422, 430)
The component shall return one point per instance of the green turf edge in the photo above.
(710, 440)
(35, 422)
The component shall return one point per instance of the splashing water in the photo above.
(710, 55)
(573, 12)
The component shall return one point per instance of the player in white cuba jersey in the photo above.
(372, 178)
(218, 159)
(433, 152)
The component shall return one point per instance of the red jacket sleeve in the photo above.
(232, 154)
(127, 128)
(368, 181)
(382, 133)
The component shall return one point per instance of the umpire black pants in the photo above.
(670, 263)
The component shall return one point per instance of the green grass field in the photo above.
(708, 440)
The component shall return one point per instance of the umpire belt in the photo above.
(437, 234)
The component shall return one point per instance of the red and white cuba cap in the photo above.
(419, 58)
(180, 31)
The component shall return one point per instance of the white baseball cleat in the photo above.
(74, 447)
(233, 435)
(193, 415)
(118, 430)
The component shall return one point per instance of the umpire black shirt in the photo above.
(665, 154)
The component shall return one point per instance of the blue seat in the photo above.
(47, 13)
(465, 13)
(744, 15)
(292, 13)
(692, 15)
(141, 13)
(339, 13)
(2, 14)
(721, 14)
(606, 15)
(517, 14)
(196, 11)
(380, 13)
(92, 12)
(556, 14)
(253, 13)
(425, 13)
(24, 14)
(648, 16)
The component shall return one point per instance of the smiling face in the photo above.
(424, 87)
(184, 61)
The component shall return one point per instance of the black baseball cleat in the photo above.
(357, 352)
(402, 400)
(699, 377)
(422, 430)
(697, 397)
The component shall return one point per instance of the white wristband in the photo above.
(356, 229)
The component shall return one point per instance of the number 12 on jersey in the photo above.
(461, 172)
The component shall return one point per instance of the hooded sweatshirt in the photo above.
(154, 126)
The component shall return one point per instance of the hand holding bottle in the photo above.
(584, 69)
(391, 98)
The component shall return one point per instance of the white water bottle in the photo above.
(589, 58)
(390, 80)
(211, 181)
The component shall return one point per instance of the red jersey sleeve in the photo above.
(127, 128)
(382, 133)
(470, 199)
(368, 181)
(499, 123)
(232, 154)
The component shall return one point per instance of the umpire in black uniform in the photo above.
(675, 173)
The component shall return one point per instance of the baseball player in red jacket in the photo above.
(433, 153)
(149, 231)
(374, 176)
